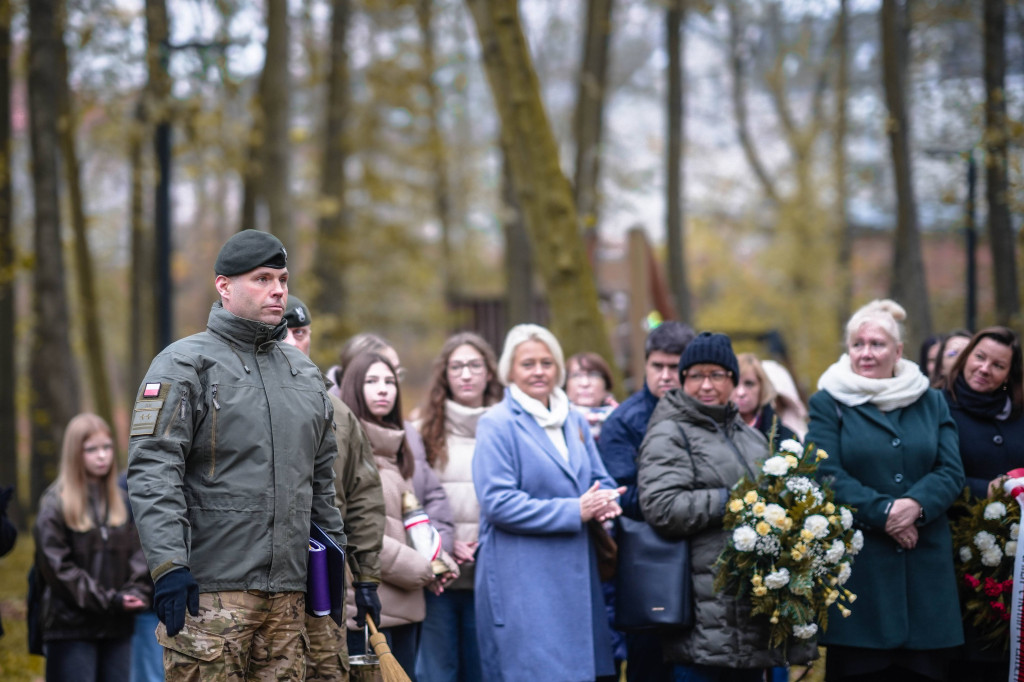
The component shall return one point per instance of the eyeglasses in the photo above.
(96, 448)
(474, 367)
(717, 377)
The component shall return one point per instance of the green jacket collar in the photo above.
(238, 331)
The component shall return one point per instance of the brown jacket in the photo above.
(404, 571)
(85, 574)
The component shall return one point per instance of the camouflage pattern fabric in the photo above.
(327, 658)
(239, 636)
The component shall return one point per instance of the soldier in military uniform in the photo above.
(359, 497)
(231, 457)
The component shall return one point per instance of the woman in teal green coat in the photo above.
(893, 455)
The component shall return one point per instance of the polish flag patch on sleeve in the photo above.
(151, 391)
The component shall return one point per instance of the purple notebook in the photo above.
(318, 590)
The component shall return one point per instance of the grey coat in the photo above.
(684, 486)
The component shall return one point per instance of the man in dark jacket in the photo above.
(231, 458)
(359, 497)
(621, 436)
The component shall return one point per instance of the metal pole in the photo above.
(971, 308)
(164, 297)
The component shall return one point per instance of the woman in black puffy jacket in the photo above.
(90, 561)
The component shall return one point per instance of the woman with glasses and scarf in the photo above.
(463, 386)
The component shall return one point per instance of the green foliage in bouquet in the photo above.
(791, 548)
(985, 543)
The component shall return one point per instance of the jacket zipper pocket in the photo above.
(182, 411)
(213, 431)
(327, 406)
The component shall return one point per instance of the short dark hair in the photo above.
(669, 337)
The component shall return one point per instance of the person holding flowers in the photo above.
(697, 447)
(893, 457)
(985, 392)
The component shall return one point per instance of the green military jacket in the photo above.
(359, 495)
(231, 456)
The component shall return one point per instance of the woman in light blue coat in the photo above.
(539, 480)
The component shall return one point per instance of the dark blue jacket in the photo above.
(619, 445)
(988, 447)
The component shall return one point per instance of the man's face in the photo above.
(259, 294)
(661, 372)
(299, 337)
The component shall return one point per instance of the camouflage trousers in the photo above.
(327, 658)
(239, 636)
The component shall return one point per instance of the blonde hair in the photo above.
(522, 333)
(73, 483)
(766, 393)
(885, 312)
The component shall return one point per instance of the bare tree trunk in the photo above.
(739, 103)
(844, 260)
(543, 191)
(331, 256)
(908, 284)
(99, 382)
(437, 147)
(588, 121)
(8, 406)
(518, 261)
(1000, 228)
(275, 97)
(53, 377)
(675, 223)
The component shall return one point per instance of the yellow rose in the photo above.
(774, 619)
(792, 461)
(845, 611)
(833, 519)
(750, 497)
(758, 508)
(806, 535)
(851, 597)
(800, 547)
(787, 523)
(796, 554)
(755, 580)
(760, 591)
(763, 528)
(735, 506)
(830, 508)
(822, 454)
(830, 599)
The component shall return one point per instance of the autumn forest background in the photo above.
(759, 167)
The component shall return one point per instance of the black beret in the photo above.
(248, 250)
(296, 313)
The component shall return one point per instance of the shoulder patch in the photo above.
(147, 409)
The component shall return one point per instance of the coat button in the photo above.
(899, 550)
(997, 439)
(895, 442)
(898, 478)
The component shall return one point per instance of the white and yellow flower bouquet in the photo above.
(791, 547)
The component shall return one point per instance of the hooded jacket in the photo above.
(692, 455)
(231, 457)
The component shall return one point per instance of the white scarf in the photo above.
(551, 420)
(850, 388)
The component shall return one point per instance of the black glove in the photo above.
(174, 591)
(367, 602)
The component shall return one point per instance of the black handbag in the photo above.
(653, 586)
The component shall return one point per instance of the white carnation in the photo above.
(1011, 548)
(774, 514)
(965, 554)
(777, 579)
(805, 631)
(790, 445)
(857, 543)
(835, 552)
(744, 538)
(984, 540)
(1014, 531)
(844, 573)
(776, 466)
(817, 525)
(992, 556)
(995, 510)
(846, 518)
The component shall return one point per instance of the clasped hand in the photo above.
(903, 514)
(599, 504)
